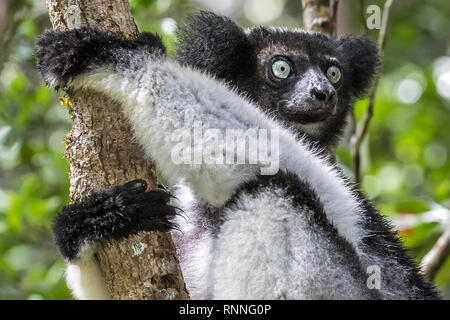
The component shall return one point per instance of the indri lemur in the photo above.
(302, 233)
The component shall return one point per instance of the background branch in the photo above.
(320, 15)
(8, 26)
(362, 128)
(365, 30)
(436, 257)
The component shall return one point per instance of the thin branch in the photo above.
(317, 16)
(364, 31)
(436, 257)
(361, 131)
(8, 27)
(334, 4)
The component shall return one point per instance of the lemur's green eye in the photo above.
(334, 74)
(281, 69)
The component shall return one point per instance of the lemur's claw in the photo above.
(163, 187)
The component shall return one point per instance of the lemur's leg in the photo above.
(111, 213)
(159, 96)
(277, 243)
(84, 278)
(195, 237)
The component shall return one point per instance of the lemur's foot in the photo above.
(112, 213)
(63, 55)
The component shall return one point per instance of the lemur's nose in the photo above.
(323, 94)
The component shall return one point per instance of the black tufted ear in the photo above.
(362, 60)
(216, 44)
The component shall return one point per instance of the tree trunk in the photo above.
(102, 153)
(320, 15)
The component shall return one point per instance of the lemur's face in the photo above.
(304, 79)
(299, 77)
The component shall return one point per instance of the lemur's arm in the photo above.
(158, 96)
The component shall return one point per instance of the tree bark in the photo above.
(320, 15)
(103, 153)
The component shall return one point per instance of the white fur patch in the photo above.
(195, 245)
(268, 250)
(84, 278)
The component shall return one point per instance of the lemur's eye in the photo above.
(334, 74)
(281, 69)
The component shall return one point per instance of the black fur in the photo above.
(384, 242)
(362, 60)
(217, 45)
(70, 53)
(112, 213)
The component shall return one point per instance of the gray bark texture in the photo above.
(317, 15)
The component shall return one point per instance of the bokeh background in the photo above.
(406, 171)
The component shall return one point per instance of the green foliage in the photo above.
(406, 171)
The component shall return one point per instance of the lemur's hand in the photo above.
(64, 55)
(61, 55)
(112, 213)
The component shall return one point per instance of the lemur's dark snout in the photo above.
(324, 95)
(324, 100)
(316, 107)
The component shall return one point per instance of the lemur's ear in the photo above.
(215, 44)
(362, 60)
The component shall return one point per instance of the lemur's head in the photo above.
(304, 79)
